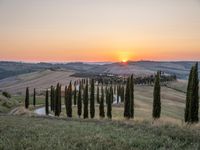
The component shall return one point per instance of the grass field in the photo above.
(180, 85)
(19, 132)
(40, 80)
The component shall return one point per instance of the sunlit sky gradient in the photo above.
(99, 30)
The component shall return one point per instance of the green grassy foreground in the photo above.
(17, 132)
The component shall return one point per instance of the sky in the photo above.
(99, 30)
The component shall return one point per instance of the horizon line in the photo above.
(20, 61)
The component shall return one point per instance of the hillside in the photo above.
(19, 132)
(39, 79)
(172, 101)
(180, 68)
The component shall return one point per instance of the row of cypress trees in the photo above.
(55, 98)
(127, 96)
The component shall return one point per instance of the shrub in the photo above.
(6, 94)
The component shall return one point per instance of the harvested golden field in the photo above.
(40, 80)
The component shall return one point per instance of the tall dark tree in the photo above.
(101, 106)
(122, 93)
(132, 97)
(92, 102)
(127, 100)
(52, 98)
(60, 99)
(98, 100)
(156, 97)
(47, 102)
(192, 98)
(69, 100)
(109, 104)
(75, 93)
(106, 94)
(111, 94)
(66, 98)
(57, 99)
(85, 101)
(27, 98)
(195, 103)
(79, 104)
(34, 97)
(118, 94)
(115, 88)
(189, 95)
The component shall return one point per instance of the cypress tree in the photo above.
(111, 94)
(98, 101)
(114, 88)
(92, 102)
(192, 98)
(57, 99)
(69, 100)
(101, 106)
(27, 98)
(195, 107)
(75, 95)
(122, 93)
(79, 111)
(156, 97)
(47, 103)
(66, 98)
(52, 98)
(118, 93)
(127, 100)
(106, 93)
(109, 104)
(131, 97)
(85, 101)
(34, 97)
(188, 95)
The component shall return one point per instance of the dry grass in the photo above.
(40, 80)
(20, 132)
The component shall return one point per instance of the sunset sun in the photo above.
(124, 60)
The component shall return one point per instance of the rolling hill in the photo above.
(179, 68)
(16, 76)
(39, 79)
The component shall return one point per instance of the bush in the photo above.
(6, 94)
